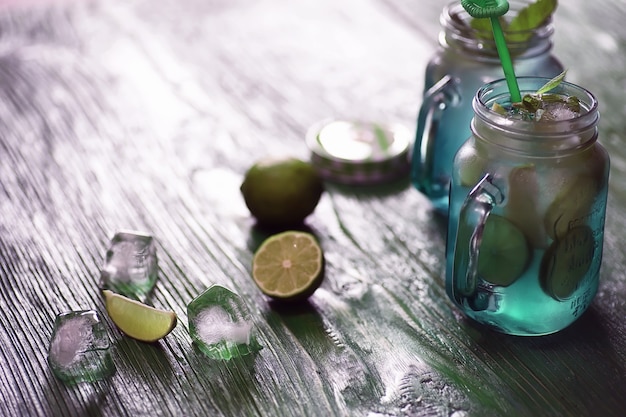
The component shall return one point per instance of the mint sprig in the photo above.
(552, 84)
(532, 105)
(529, 18)
(520, 28)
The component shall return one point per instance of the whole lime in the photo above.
(281, 192)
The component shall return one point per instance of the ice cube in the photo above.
(214, 325)
(220, 324)
(79, 348)
(553, 111)
(130, 267)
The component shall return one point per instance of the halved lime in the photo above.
(503, 253)
(288, 265)
(566, 262)
(138, 320)
(571, 205)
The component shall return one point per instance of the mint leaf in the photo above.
(529, 18)
(484, 24)
(521, 26)
(533, 105)
(552, 83)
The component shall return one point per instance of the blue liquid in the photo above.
(561, 276)
(525, 307)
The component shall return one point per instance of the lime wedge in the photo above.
(566, 262)
(503, 253)
(570, 206)
(138, 320)
(288, 266)
(521, 208)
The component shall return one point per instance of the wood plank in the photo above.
(145, 116)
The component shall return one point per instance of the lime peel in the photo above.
(137, 320)
(281, 192)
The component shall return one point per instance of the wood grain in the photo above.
(143, 115)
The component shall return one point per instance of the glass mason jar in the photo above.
(467, 59)
(526, 217)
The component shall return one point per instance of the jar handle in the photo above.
(472, 218)
(442, 94)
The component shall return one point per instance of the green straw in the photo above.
(493, 9)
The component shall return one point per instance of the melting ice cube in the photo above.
(220, 324)
(130, 267)
(553, 111)
(79, 348)
(214, 324)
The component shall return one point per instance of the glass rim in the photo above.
(455, 8)
(519, 133)
(455, 20)
(586, 97)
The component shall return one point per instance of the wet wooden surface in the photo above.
(145, 115)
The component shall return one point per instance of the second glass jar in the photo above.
(467, 59)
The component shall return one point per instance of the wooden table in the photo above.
(145, 115)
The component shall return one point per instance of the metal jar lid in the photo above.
(359, 153)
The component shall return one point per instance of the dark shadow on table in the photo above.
(588, 331)
(147, 358)
(231, 384)
(374, 191)
(96, 395)
(582, 357)
(304, 322)
(439, 219)
(258, 233)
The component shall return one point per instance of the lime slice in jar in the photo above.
(522, 206)
(566, 262)
(570, 206)
(471, 166)
(503, 253)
